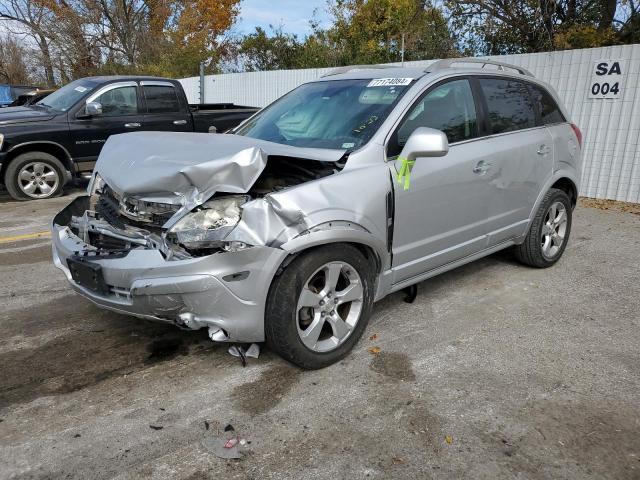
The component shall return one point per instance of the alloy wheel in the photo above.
(38, 180)
(329, 306)
(554, 229)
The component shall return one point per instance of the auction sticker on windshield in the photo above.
(389, 82)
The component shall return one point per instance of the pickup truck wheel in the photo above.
(319, 306)
(34, 175)
(549, 232)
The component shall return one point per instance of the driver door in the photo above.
(442, 216)
(120, 114)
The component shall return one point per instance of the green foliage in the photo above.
(362, 32)
(73, 38)
(524, 26)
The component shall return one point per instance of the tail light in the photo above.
(578, 133)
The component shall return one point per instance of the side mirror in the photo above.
(425, 142)
(92, 109)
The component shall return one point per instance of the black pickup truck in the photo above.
(45, 145)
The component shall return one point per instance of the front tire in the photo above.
(319, 306)
(549, 232)
(34, 176)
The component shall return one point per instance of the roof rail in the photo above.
(348, 68)
(446, 63)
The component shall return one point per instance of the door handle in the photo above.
(132, 125)
(482, 167)
(543, 150)
(179, 122)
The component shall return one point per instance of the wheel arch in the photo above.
(564, 180)
(569, 187)
(328, 233)
(52, 148)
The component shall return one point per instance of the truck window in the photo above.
(119, 101)
(509, 105)
(161, 99)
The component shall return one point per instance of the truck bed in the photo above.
(218, 117)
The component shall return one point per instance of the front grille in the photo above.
(108, 207)
(132, 211)
(104, 242)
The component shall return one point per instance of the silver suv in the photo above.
(362, 183)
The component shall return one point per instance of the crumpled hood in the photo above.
(193, 165)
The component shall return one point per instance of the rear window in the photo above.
(548, 108)
(509, 105)
(161, 99)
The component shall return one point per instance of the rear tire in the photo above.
(549, 231)
(34, 176)
(319, 306)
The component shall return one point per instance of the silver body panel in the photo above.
(451, 215)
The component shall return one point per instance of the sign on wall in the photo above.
(606, 79)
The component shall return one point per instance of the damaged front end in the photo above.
(192, 243)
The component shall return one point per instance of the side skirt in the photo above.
(449, 266)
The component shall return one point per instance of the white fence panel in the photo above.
(611, 127)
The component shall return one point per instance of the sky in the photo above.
(293, 15)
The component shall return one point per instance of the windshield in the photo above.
(65, 98)
(340, 114)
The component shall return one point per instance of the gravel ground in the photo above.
(496, 371)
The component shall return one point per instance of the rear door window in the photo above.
(509, 105)
(547, 106)
(161, 99)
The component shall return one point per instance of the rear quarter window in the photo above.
(547, 106)
(509, 105)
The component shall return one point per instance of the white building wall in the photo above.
(610, 127)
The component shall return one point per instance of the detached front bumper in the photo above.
(224, 291)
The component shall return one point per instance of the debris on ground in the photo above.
(218, 446)
(238, 351)
(374, 350)
(228, 445)
(253, 351)
(232, 442)
(373, 337)
(448, 439)
(243, 352)
(156, 427)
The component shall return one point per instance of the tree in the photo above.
(86, 37)
(517, 26)
(259, 51)
(12, 66)
(370, 31)
(30, 17)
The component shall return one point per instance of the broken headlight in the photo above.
(96, 183)
(208, 226)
